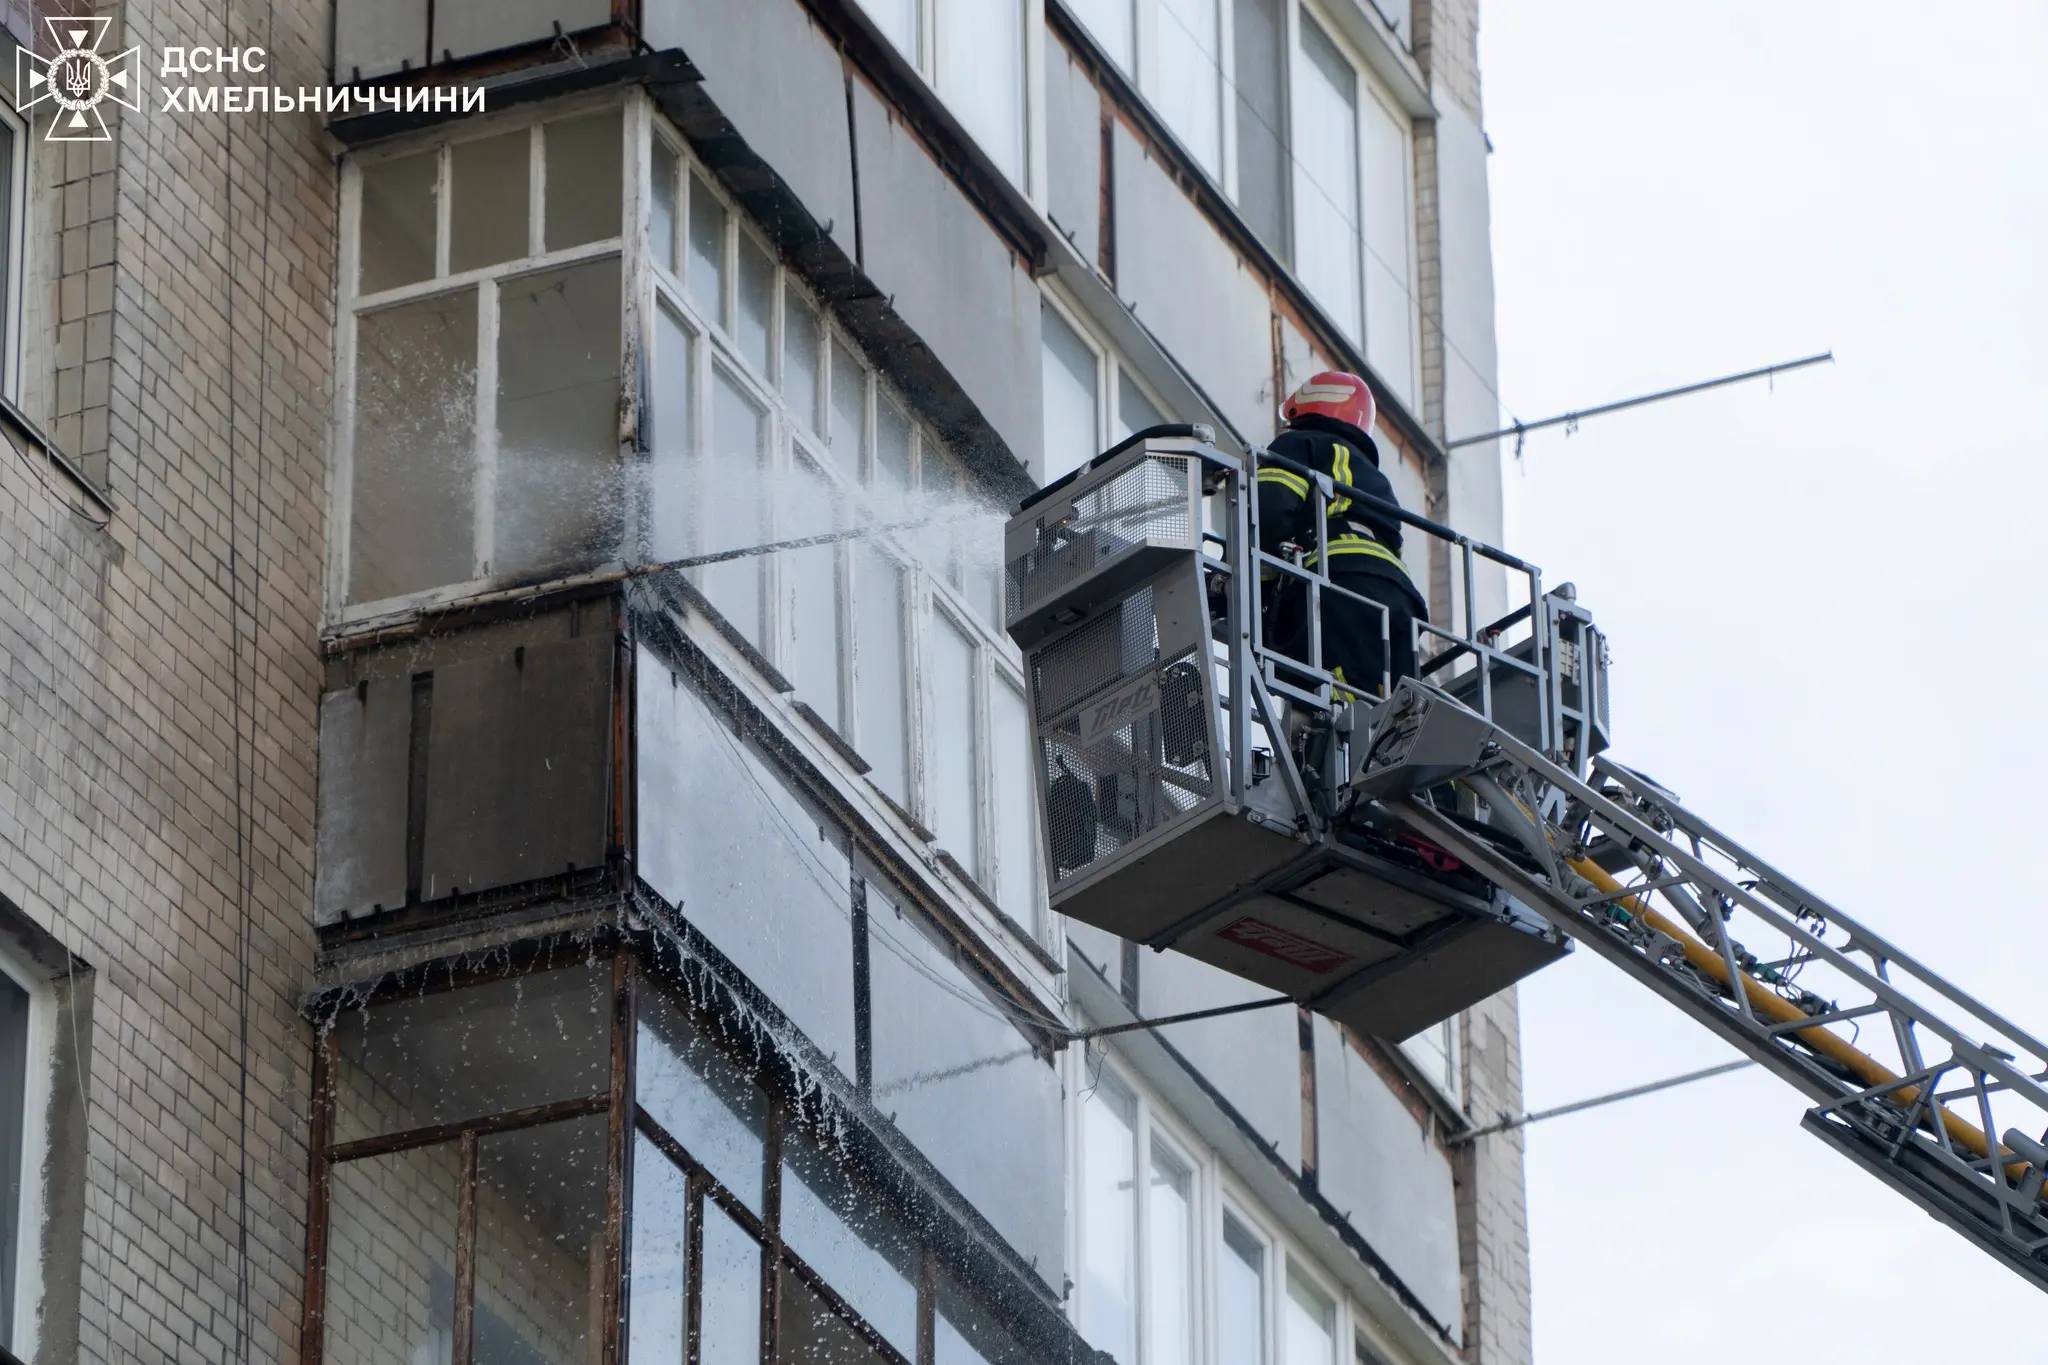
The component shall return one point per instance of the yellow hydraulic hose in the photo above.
(1778, 1010)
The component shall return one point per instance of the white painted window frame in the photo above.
(928, 587)
(485, 281)
(1111, 373)
(1031, 46)
(1218, 1193)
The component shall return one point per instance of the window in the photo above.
(1072, 396)
(1390, 312)
(466, 1158)
(1173, 52)
(1326, 242)
(20, 1148)
(1139, 1289)
(1170, 1259)
(955, 742)
(1190, 80)
(485, 333)
(1309, 1326)
(1435, 1052)
(1241, 1296)
(1091, 399)
(1175, 1262)
(972, 52)
(1109, 1220)
(891, 640)
(13, 211)
(1354, 206)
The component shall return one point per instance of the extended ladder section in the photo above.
(1391, 859)
(1927, 1088)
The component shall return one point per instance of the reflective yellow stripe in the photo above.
(1362, 545)
(1292, 482)
(1341, 467)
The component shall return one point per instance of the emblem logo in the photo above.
(78, 79)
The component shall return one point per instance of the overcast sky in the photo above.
(1825, 601)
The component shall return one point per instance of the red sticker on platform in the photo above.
(1276, 942)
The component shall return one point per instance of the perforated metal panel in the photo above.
(1126, 731)
(1132, 522)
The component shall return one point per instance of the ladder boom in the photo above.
(1934, 1092)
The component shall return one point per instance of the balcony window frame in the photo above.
(1218, 1194)
(931, 583)
(793, 1115)
(486, 280)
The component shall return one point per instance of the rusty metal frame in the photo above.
(626, 1122)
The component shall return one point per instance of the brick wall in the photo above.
(1493, 1224)
(181, 311)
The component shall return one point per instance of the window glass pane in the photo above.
(739, 446)
(707, 250)
(849, 408)
(391, 1257)
(584, 178)
(1326, 176)
(1070, 396)
(1016, 804)
(812, 577)
(1389, 310)
(558, 503)
(953, 812)
(1241, 1297)
(878, 660)
(670, 508)
(1113, 25)
(540, 1199)
(800, 340)
(731, 1295)
(1170, 1233)
(981, 75)
(397, 245)
(689, 1086)
(1434, 1053)
(1259, 61)
(1191, 79)
(1309, 1325)
(658, 1309)
(7, 155)
(844, 1233)
(445, 1055)
(410, 519)
(892, 446)
(1134, 411)
(1109, 1221)
(757, 304)
(489, 184)
(661, 216)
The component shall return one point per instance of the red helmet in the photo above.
(1334, 394)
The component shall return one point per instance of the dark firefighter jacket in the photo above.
(1363, 539)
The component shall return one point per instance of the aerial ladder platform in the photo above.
(1390, 860)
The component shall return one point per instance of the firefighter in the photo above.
(1326, 426)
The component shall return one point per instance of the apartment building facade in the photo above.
(434, 932)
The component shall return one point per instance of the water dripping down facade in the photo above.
(663, 961)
